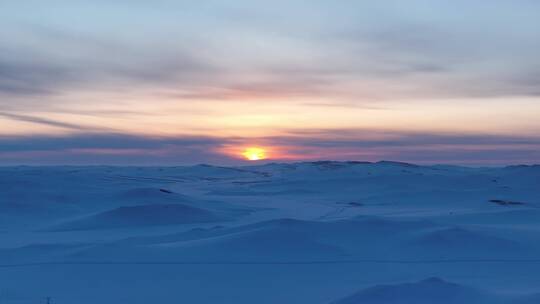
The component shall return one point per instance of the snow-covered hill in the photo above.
(313, 232)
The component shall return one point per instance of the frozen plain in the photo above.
(313, 232)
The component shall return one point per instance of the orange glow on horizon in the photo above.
(254, 153)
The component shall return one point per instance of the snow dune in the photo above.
(143, 215)
(428, 291)
(313, 232)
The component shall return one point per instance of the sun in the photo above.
(254, 153)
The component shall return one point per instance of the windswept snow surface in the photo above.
(314, 232)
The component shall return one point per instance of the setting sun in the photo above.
(254, 153)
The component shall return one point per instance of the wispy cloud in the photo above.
(225, 67)
(355, 145)
(412, 54)
(49, 122)
(30, 78)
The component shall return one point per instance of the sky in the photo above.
(185, 82)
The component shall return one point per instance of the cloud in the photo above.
(47, 122)
(30, 78)
(365, 138)
(162, 59)
(416, 50)
(345, 145)
(107, 148)
(68, 62)
(100, 141)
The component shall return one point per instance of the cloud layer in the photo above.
(422, 49)
(218, 71)
(106, 148)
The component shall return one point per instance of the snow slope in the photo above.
(314, 232)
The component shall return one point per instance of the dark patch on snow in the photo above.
(351, 204)
(505, 203)
(396, 163)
